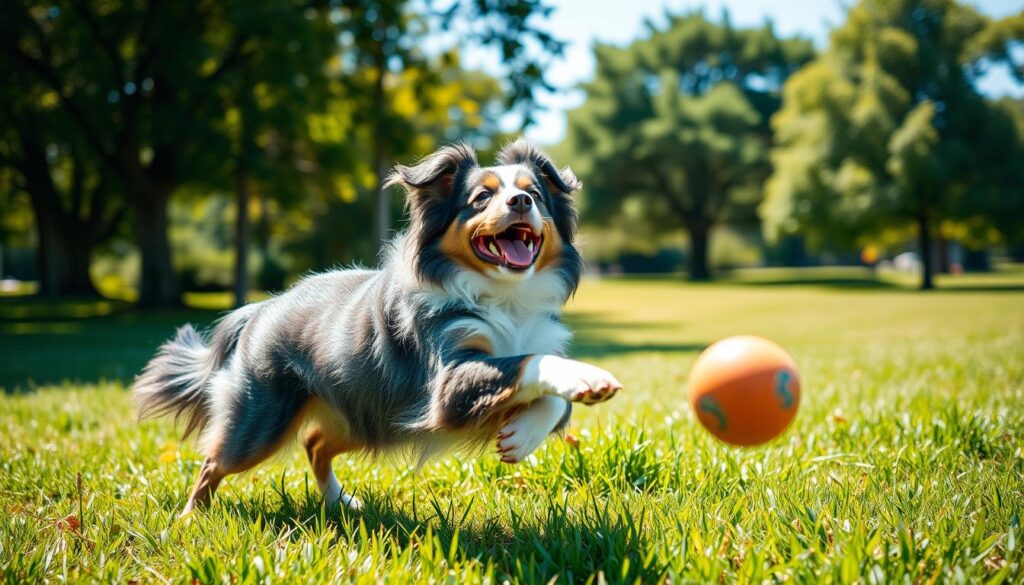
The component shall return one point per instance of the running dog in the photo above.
(456, 339)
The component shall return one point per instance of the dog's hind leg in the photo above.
(321, 448)
(210, 476)
(249, 423)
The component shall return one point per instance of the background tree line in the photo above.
(118, 105)
(883, 133)
(121, 111)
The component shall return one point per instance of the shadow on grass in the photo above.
(862, 278)
(89, 340)
(852, 283)
(571, 544)
(585, 348)
(988, 288)
(82, 341)
(880, 284)
(595, 336)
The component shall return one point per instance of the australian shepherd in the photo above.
(456, 339)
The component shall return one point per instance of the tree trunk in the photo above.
(924, 235)
(382, 225)
(699, 232)
(977, 260)
(382, 230)
(47, 263)
(65, 246)
(242, 229)
(942, 254)
(158, 283)
(263, 227)
(78, 256)
(63, 252)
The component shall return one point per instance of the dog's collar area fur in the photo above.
(520, 291)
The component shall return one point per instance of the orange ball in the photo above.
(744, 389)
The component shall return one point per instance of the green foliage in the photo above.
(913, 163)
(287, 102)
(677, 122)
(151, 100)
(904, 463)
(997, 201)
(887, 129)
(436, 101)
(56, 194)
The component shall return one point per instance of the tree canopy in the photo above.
(155, 97)
(677, 122)
(887, 129)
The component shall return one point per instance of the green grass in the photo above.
(904, 464)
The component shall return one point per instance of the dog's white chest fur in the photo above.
(524, 332)
(518, 316)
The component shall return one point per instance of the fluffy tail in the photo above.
(176, 379)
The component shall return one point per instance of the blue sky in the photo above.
(581, 22)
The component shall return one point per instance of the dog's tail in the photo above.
(177, 379)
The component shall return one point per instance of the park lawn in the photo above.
(905, 461)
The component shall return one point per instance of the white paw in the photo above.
(528, 429)
(572, 380)
(351, 502)
(332, 493)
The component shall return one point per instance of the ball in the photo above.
(745, 390)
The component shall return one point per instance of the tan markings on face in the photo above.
(551, 250)
(492, 181)
(456, 244)
(524, 182)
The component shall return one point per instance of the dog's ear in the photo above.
(523, 152)
(430, 200)
(431, 180)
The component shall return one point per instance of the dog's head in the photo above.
(506, 222)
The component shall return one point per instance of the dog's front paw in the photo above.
(528, 429)
(576, 381)
(599, 391)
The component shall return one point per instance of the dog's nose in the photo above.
(520, 202)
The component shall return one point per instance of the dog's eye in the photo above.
(483, 196)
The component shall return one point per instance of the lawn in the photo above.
(904, 464)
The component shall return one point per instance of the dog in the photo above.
(455, 340)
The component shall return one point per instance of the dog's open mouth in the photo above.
(517, 247)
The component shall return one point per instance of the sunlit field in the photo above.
(905, 461)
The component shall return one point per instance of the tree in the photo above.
(435, 103)
(915, 167)
(70, 193)
(994, 211)
(266, 110)
(678, 123)
(887, 129)
(152, 102)
(382, 41)
(144, 100)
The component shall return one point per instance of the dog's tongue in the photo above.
(515, 252)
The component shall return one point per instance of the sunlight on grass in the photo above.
(904, 463)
